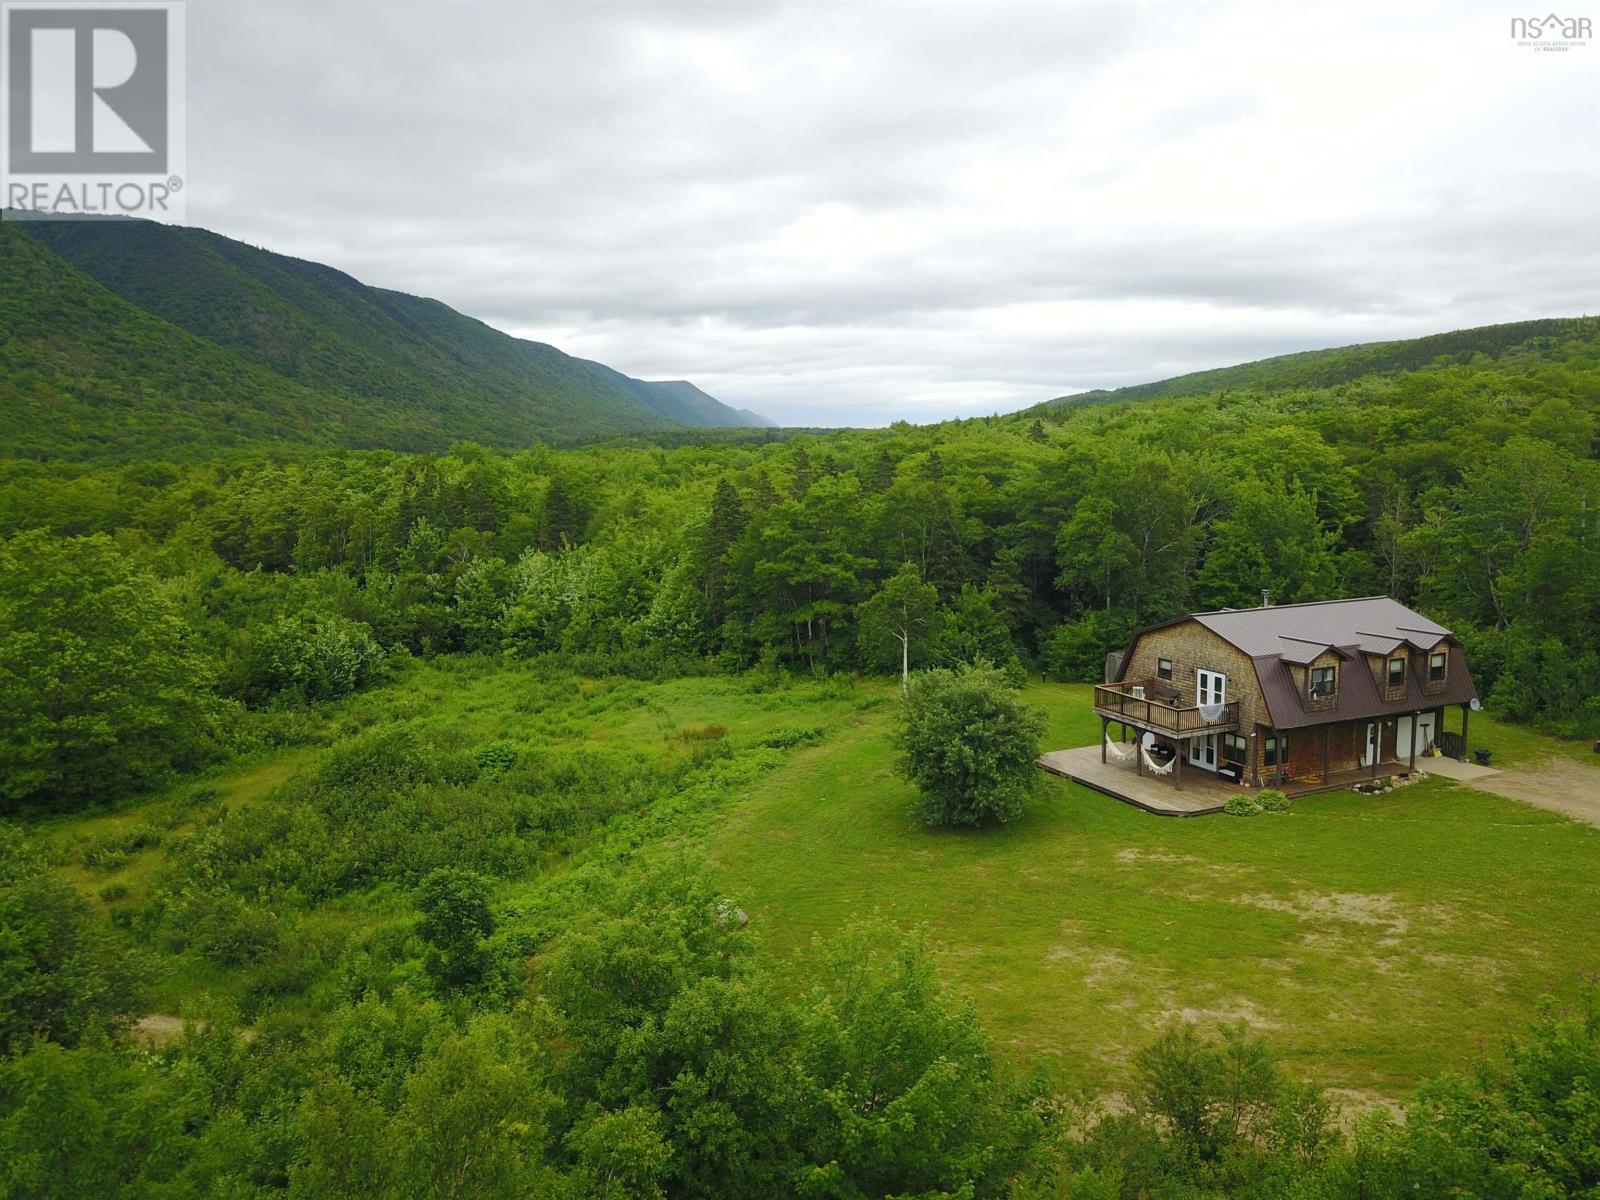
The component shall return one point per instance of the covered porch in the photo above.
(1153, 712)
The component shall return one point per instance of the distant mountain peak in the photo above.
(318, 356)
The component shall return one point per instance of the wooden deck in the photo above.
(1202, 792)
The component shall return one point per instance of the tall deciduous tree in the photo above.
(903, 609)
(100, 683)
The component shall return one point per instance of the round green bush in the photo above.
(1272, 800)
(1240, 805)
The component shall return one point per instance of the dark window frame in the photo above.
(1438, 665)
(1164, 669)
(1332, 674)
(1393, 663)
(1235, 749)
(1269, 750)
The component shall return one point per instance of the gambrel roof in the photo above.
(1373, 624)
(1280, 636)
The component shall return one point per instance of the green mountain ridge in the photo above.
(1345, 364)
(316, 357)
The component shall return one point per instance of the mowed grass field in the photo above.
(1373, 940)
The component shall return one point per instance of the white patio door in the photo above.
(1210, 687)
(1369, 748)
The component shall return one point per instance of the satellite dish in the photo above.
(1475, 704)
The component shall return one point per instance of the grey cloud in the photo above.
(853, 213)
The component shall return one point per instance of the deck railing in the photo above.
(1120, 702)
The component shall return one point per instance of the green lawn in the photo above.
(1372, 940)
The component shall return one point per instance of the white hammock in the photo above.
(1117, 752)
(1153, 768)
(1212, 713)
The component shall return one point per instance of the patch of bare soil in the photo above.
(1356, 908)
(1101, 968)
(162, 1029)
(1227, 1012)
(1559, 785)
(158, 1029)
(1351, 1106)
(1134, 854)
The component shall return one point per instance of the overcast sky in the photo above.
(855, 213)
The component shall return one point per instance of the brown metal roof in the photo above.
(1298, 633)
(1358, 697)
(1376, 624)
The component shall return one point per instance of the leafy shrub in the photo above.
(785, 739)
(969, 744)
(456, 922)
(113, 893)
(1240, 805)
(312, 656)
(1272, 800)
(58, 971)
(224, 928)
(496, 758)
(111, 850)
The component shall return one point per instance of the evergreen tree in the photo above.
(559, 526)
(804, 473)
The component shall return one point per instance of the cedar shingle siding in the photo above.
(1267, 655)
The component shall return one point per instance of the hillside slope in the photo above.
(416, 373)
(84, 373)
(1327, 368)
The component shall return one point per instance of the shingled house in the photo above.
(1294, 693)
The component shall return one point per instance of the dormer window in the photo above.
(1436, 664)
(1324, 682)
(1397, 672)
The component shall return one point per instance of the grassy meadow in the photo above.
(1372, 940)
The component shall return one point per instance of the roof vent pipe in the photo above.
(1266, 598)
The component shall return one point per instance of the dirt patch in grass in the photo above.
(1101, 968)
(1351, 1106)
(162, 1029)
(1230, 1011)
(1380, 912)
(1558, 785)
(1135, 855)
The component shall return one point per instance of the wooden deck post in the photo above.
(1466, 715)
(1277, 739)
(1105, 732)
(1138, 747)
(1177, 765)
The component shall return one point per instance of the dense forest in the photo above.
(409, 1027)
(1470, 490)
